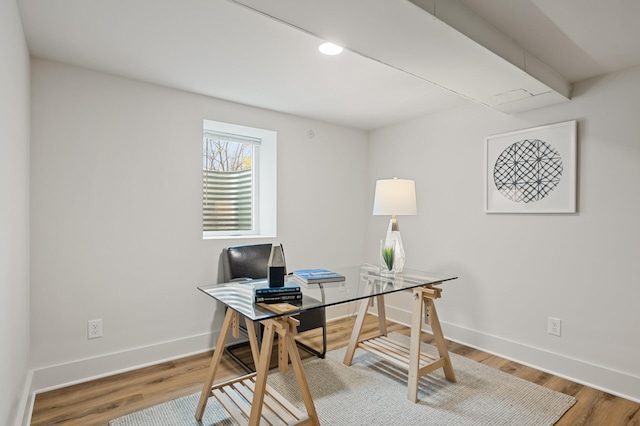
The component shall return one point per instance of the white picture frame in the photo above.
(532, 170)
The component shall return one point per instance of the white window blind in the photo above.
(229, 182)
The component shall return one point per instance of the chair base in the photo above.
(320, 354)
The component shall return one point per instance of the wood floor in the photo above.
(95, 403)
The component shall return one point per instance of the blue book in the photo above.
(312, 276)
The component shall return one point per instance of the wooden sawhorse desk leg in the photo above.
(230, 319)
(424, 297)
(423, 303)
(357, 328)
(286, 328)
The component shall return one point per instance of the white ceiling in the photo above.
(221, 49)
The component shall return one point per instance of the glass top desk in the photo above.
(248, 399)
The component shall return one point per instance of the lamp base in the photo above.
(393, 234)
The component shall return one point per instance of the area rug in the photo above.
(374, 392)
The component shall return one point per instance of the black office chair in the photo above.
(251, 261)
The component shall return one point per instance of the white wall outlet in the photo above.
(94, 329)
(554, 326)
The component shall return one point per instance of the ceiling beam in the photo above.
(438, 41)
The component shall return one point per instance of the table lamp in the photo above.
(395, 197)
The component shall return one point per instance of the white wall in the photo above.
(14, 214)
(116, 225)
(516, 270)
(116, 200)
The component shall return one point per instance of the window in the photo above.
(238, 181)
(228, 202)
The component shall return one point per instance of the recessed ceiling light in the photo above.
(330, 49)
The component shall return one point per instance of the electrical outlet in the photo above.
(554, 326)
(94, 329)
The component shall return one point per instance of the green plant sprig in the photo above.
(388, 256)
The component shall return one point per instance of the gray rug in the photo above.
(374, 392)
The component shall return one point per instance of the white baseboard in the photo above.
(83, 370)
(25, 404)
(595, 376)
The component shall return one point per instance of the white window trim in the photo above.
(265, 181)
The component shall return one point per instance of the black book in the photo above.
(272, 291)
(278, 297)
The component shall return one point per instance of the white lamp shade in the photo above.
(395, 197)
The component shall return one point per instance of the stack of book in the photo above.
(315, 276)
(288, 293)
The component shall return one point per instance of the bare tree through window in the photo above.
(226, 156)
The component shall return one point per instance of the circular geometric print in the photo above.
(527, 171)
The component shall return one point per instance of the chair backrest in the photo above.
(250, 261)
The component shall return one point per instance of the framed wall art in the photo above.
(532, 170)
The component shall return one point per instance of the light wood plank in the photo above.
(262, 370)
(275, 403)
(296, 363)
(355, 333)
(414, 348)
(266, 416)
(398, 347)
(401, 360)
(227, 324)
(236, 413)
(440, 342)
(432, 366)
(382, 315)
(288, 406)
(394, 351)
(253, 340)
